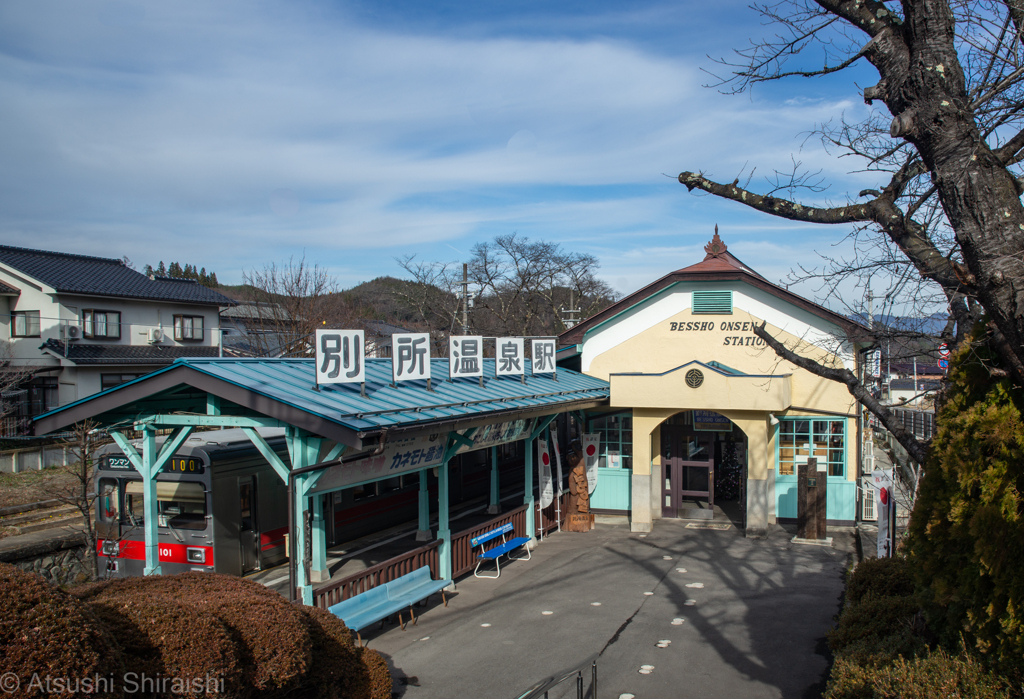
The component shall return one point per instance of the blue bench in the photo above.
(506, 547)
(378, 603)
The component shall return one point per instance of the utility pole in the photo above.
(465, 298)
(570, 319)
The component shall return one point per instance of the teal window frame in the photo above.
(821, 435)
(616, 430)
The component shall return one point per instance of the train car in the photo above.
(220, 506)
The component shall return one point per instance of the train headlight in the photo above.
(196, 555)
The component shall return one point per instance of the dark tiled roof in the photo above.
(103, 276)
(8, 290)
(126, 354)
(908, 385)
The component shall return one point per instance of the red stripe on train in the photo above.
(168, 553)
(275, 537)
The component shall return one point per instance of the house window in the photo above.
(188, 328)
(34, 397)
(616, 440)
(26, 324)
(111, 380)
(714, 303)
(801, 438)
(101, 324)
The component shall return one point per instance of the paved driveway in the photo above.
(753, 626)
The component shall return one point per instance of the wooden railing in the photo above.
(463, 556)
(384, 572)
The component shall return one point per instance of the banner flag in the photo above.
(558, 458)
(547, 486)
(882, 482)
(591, 452)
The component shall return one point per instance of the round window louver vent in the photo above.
(694, 378)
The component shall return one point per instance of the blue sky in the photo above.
(232, 134)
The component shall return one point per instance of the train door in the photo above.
(248, 535)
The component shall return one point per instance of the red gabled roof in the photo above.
(718, 265)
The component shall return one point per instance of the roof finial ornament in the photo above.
(716, 248)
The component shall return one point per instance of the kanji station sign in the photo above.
(340, 356)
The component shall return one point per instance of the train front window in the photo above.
(180, 505)
(108, 502)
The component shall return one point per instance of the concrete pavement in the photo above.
(755, 626)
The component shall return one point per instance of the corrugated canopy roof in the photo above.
(285, 389)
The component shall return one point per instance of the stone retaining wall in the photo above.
(61, 559)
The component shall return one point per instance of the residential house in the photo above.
(76, 324)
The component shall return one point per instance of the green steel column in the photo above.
(495, 504)
(318, 568)
(531, 525)
(424, 527)
(149, 521)
(443, 532)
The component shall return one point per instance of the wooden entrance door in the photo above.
(688, 469)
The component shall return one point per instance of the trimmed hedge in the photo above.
(193, 625)
(44, 630)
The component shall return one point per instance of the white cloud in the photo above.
(162, 128)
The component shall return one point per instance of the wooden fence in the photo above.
(463, 556)
(389, 570)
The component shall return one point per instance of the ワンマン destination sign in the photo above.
(747, 340)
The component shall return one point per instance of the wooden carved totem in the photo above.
(578, 517)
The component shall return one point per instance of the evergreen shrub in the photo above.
(966, 535)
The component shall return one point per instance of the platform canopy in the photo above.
(284, 390)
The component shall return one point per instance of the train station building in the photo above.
(696, 396)
(293, 460)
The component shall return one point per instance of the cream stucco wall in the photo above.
(638, 349)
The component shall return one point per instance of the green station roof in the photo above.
(285, 389)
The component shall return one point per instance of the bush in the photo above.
(937, 675)
(880, 577)
(190, 625)
(876, 630)
(380, 676)
(46, 631)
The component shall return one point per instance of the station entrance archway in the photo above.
(703, 461)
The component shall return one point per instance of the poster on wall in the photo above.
(882, 482)
(591, 452)
(497, 433)
(547, 486)
(710, 421)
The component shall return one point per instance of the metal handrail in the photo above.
(542, 688)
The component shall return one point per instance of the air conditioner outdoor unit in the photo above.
(71, 332)
(155, 335)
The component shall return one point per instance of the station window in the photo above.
(180, 504)
(616, 449)
(800, 438)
